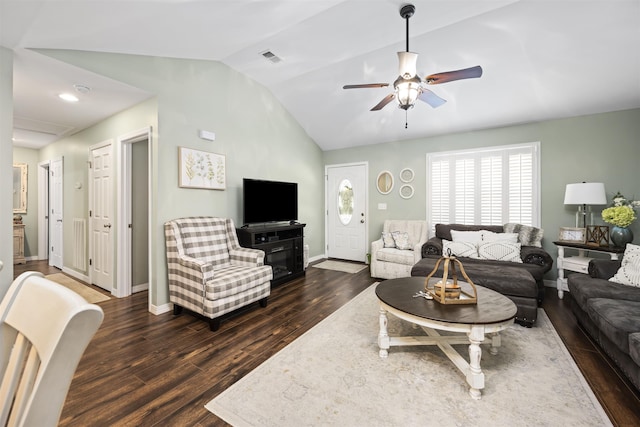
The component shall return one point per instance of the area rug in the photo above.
(332, 375)
(83, 290)
(345, 267)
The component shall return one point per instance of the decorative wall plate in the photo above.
(406, 191)
(406, 175)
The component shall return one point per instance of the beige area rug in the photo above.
(332, 375)
(83, 290)
(345, 267)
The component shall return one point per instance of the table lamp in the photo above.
(584, 194)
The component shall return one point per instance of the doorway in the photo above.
(346, 199)
(134, 200)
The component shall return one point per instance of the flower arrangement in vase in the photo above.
(621, 215)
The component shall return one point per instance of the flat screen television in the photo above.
(269, 201)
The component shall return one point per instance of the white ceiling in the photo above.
(542, 59)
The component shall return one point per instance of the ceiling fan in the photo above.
(408, 87)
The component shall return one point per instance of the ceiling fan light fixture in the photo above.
(408, 64)
(407, 92)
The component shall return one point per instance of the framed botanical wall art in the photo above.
(201, 169)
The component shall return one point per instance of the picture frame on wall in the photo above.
(201, 169)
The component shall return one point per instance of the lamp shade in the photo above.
(585, 193)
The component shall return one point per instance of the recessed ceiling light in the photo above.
(68, 97)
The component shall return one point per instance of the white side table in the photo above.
(579, 263)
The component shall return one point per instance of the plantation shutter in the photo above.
(489, 186)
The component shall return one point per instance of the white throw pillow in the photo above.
(466, 236)
(459, 249)
(402, 240)
(490, 236)
(629, 271)
(387, 240)
(501, 251)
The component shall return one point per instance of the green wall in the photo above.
(6, 169)
(258, 137)
(595, 148)
(30, 219)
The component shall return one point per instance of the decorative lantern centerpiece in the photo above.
(447, 289)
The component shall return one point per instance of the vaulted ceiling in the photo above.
(541, 59)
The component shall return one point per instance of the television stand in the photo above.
(282, 245)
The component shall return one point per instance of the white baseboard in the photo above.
(139, 288)
(76, 274)
(316, 258)
(160, 309)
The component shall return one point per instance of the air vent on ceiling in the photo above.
(271, 57)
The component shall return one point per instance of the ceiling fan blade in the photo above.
(387, 99)
(431, 98)
(449, 76)
(407, 61)
(366, 85)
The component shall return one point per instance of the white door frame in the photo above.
(123, 210)
(50, 203)
(108, 142)
(43, 210)
(326, 201)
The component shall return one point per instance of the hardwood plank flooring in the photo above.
(147, 370)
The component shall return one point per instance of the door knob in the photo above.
(362, 221)
(107, 226)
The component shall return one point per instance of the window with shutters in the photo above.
(486, 186)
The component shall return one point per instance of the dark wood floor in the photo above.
(147, 370)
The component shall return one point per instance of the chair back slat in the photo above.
(40, 349)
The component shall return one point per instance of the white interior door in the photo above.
(101, 217)
(346, 196)
(56, 224)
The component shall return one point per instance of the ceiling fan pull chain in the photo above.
(406, 125)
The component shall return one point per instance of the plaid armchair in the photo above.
(209, 273)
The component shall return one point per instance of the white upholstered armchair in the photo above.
(400, 247)
(209, 273)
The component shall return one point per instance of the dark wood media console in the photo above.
(283, 246)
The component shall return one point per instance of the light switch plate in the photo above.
(382, 206)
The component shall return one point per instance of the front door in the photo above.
(56, 213)
(101, 217)
(346, 195)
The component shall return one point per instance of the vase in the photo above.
(620, 236)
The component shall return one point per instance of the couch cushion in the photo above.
(395, 256)
(634, 347)
(583, 288)
(500, 250)
(501, 277)
(629, 271)
(402, 239)
(234, 279)
(387, 240)
(527, 235)
(466, 236)
(616, 319)
(443, 231)
(460, 249)
(204, 238)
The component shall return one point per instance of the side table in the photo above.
(579, 263)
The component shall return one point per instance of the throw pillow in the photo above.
(501, 251)
(402, 240)
(387, 240)
(460, 249)
(629, 271)
(490, 236)
(466, 236)
(528, 236)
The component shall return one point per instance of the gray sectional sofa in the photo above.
(521, 282)
(610, 313)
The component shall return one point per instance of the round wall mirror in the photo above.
(384, 182)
